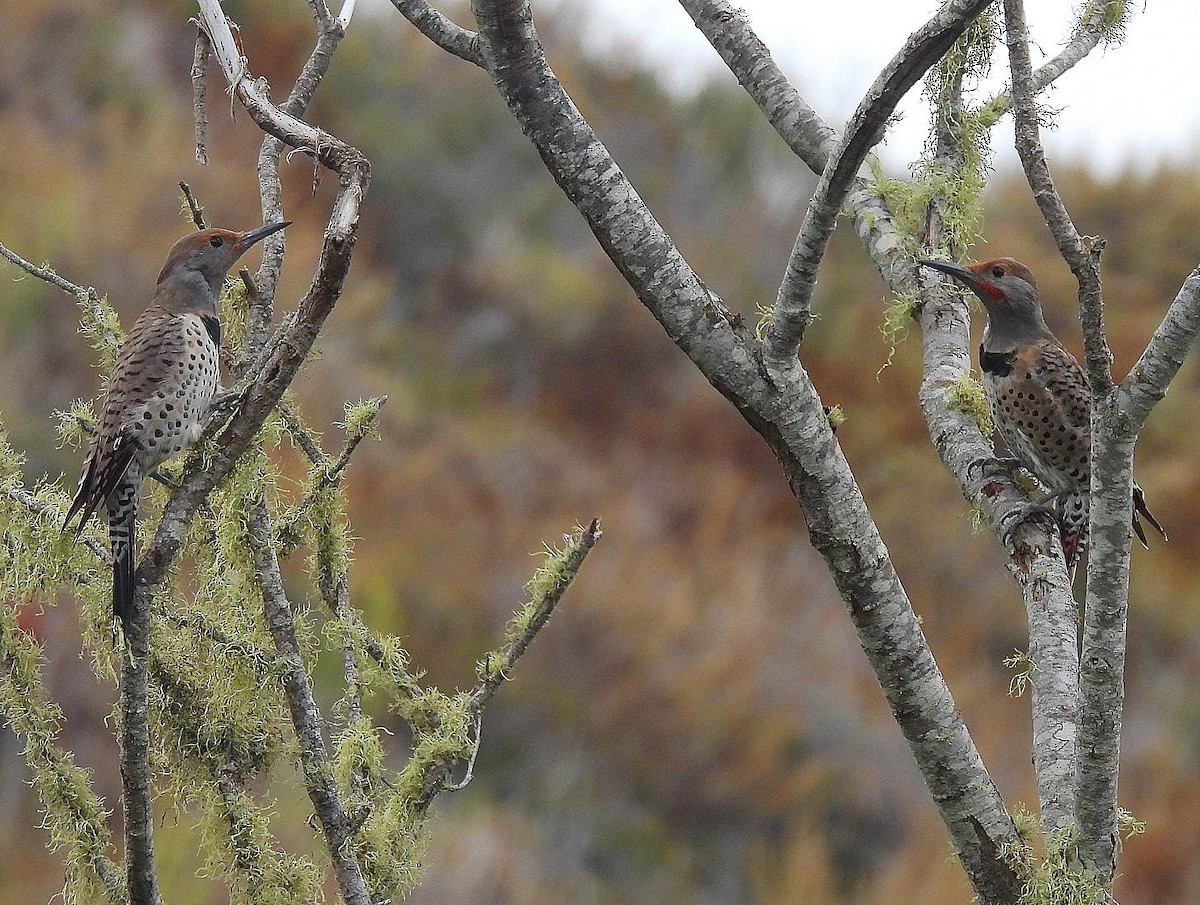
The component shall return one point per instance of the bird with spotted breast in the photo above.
(1039, 396)
(159, 393)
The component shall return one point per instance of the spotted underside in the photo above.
(1042, 407)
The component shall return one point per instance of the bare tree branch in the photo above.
(1035, 560)
(55, 517)
(1147, 381)
(330, 32)
(135, 766)
(303, 437)
(194, 208)
(1082, 256)
(792, 311)
(1101, 675)
(1093, 27)
(200, 96)
(45, 273)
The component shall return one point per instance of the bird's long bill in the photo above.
(949, 267)
(248, 238)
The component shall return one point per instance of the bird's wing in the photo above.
(106, 465)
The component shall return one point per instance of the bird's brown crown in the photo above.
(987, 273)
(209, 241)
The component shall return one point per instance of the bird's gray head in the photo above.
(1008, 292)
(199, 262)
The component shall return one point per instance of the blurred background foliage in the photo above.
(697, 724)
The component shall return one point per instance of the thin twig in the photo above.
(135, 760)
(200, 96)
(330, 470)
(329, 35)
(496, 672)
(45, 273)
(579, 546)
(88, 296)
(55, 517)
(264, 662)
(1086, 36)
(194, 208)
(301, 434)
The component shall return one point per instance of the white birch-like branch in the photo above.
(1035, 559)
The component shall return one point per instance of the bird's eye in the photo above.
(216, 241)
(997, 272)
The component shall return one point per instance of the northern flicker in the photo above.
(159, 393)
(1039, 396)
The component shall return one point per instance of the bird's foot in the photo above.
(991, 466)
(222, 407)
(1015, 518)
(223, 403)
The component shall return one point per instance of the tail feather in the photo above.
(122, 514)
(1072, 512)
(100, 480)
(1140, 508)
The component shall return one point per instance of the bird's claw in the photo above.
(224, 402)
(1015, 518)
(222, 407)
(991, 466)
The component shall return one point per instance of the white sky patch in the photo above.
(1135, 104)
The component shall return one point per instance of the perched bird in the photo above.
(159, 393)
(1039, 396)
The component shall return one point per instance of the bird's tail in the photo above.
(1140, 508)
(1072, 512)
(122, 515)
